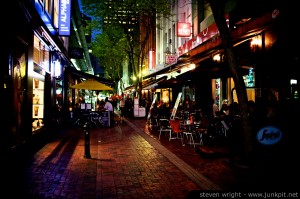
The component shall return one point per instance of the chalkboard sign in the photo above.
(176, 106)
(104, 118)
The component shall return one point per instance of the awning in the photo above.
(147, 84)
(88, 76)
(182, 60)
(171, 83)
(210, 69)
(153, 84)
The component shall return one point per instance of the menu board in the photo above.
(105, 118)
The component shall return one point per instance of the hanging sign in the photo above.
(76, 52)
(170, 59)
(64, 18)
(183, 29)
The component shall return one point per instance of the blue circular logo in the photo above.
(269, 135)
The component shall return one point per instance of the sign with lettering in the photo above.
(170, 59)
(76, 53)
(269, 135)
(183, 29)
(64, 18)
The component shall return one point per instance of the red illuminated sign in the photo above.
(183, 29)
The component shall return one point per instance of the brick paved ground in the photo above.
(128, 161)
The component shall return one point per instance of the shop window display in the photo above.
(37, 104)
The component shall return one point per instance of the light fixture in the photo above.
(192, 66)
(57, 68)
(217, 57)
(58, 91)
(256, 41)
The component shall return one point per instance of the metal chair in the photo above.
(201, 129)
(164, 126)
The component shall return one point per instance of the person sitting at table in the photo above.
(108, 105)
(100, 105)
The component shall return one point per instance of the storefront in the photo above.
(30, 60)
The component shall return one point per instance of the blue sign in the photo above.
(64, 18)
(39, 6)
(269, 135)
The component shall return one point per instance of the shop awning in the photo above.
(82, 74)
(147, 83)
(182, 60)
(210, 69)
(154, 83)
(171, 83)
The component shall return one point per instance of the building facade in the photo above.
(35, 57)
(189, 48)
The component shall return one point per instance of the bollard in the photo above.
(86, 141)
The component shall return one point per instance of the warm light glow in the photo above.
(217, 57)
(144, 72)
(192, 66)
(256, 41)
(57, 68)
(58, 91)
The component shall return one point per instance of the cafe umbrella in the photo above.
(91, 84)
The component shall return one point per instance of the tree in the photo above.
(137, 19)
(110, 48)
(218, 9)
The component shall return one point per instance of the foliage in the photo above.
(136, 14)
(110, 47)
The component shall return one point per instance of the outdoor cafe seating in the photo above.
(193, 132)
(92, 118)
(164, 126)
(177, 131)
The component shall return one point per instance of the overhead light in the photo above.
(217, 57)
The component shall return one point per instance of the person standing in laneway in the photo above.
(122, 108)
(109, 107)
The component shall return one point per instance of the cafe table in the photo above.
(189, 133)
